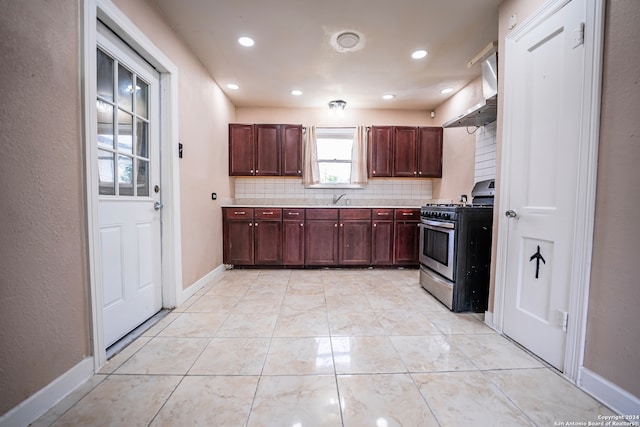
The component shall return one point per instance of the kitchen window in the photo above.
(336, 157)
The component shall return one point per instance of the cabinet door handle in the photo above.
(239, 212)
(267, 213)
(407, 214)
(293, 213)
(383, 213)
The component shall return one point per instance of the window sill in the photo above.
(331, 186)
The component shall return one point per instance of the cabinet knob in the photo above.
(250, 224)
(301, 224)
(420, 173)
(335, 225)
(341, 225)
(415, 173)
(375, 225)
(299, 171)
(251, 171)
(256, 224)
(374, 172)
(257, 171)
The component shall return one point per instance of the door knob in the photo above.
(157, 206)
(512, 213)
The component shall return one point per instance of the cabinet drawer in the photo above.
(355, 213)
(382, 214)
(407, 214)
(293, 214)
(238, 213)
(267, 213)
(323, 213)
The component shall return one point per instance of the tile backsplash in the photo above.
(292, 188)
(485, 165)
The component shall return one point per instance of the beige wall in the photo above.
(613, 326)
(612, 346)
(204, 114)
(44, 326)
(458, 157)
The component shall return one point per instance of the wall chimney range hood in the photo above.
(485, 112)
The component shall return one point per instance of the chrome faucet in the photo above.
(336, 199)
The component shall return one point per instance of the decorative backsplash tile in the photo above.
(485, 166)
(292, 188)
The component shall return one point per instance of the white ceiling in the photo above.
(293, 48)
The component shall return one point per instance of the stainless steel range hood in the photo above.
(486, 111)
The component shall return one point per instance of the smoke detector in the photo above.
(347, 41)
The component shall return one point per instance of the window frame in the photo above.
(338, 133)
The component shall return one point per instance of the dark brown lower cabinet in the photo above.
(354, 237)
(406, 237)
(238, 236)
(293, 237)
(321, 237)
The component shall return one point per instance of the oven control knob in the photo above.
(445, 215)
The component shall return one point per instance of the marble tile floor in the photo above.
(303, 348)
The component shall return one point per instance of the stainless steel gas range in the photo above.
(455, 250)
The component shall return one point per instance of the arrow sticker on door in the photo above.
(538, 257)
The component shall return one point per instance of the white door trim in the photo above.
(587, 169)
(120, 24)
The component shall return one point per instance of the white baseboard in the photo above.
(35, 406)
(619, 400)
(488, 319)
(199, 284)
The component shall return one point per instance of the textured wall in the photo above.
(44, 327)
(204, 114)
(614, 318)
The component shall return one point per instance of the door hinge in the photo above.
(565, 320)
(577, 36)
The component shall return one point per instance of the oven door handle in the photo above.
(439, 224)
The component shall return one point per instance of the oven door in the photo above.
(437, 247)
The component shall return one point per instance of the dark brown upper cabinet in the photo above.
(292, 150)
(430, 152)
(380, 151)
(405, 144)
(265, 150)
(405, 152)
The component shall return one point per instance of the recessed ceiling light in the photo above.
(296, 92)
(233, 86)
(246, 41)
(446, 90)
(419, 54)
(388, 96)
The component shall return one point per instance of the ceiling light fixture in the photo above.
(388, 96)
(446, 90)
(337, 105)
(246, 41)
(419, 54)
(296, 92)
(233, 86)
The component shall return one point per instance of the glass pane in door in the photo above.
(125, 176)
(106, 167)
(125, 88)
(142, 94)
(105, 76)
(142, 139)
(125, 132)
(105, 125)
(142, 178)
